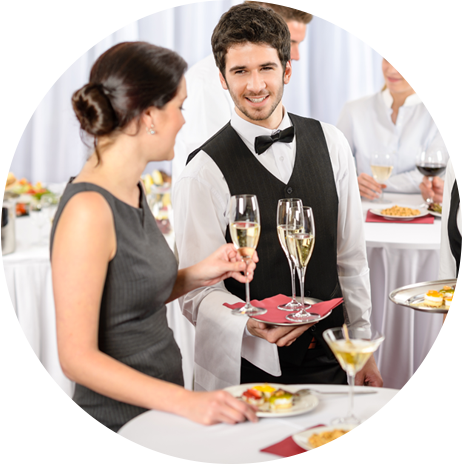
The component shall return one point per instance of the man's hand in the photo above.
(368, 187)
(281, 336)
(433, 190)
(369, 375)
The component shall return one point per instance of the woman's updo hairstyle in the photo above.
(124, 81)
(422, 38)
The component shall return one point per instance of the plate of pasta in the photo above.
(405, 213)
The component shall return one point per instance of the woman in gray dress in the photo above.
(112, 269)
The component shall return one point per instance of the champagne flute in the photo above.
(282, 212)
(431, 163)
(245, 231)
(381, 167)
(300, 237)
(352, 348)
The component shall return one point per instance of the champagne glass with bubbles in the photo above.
(245, 231)
(300, 237)
(282, 212)
(352, 348)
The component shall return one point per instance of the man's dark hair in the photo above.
(287, 13)
(248, 22)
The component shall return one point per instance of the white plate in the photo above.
(305, 404)
(423, 212)
(377, 441)
(413, 412)
(289, 323)
(439, 215)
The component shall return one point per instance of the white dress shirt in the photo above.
(447, 264)
(368, 127)
(201, 203)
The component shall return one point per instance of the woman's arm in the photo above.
(225, 262)
(84, 243)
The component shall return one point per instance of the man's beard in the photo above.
(258, 114)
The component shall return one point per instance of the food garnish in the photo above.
(339, 441)
(437, 410)
(435, 207)
(400, 211)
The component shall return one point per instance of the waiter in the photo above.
(251, 47)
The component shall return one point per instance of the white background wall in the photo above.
(48, 46)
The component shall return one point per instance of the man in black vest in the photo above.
(251, 47)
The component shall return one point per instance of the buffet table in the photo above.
(181, 438)
(399, 255)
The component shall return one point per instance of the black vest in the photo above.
(454, 374)
(313, 182)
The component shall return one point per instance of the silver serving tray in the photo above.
(412, 296)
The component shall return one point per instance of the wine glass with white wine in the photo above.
(282, 212)
(352, 348)
(300, 237)
(381, 167)
(245, 231)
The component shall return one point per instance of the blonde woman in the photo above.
(403, 118)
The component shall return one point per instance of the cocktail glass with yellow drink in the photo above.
(244, 224)
(352, 348)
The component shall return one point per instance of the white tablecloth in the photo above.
(398, 255)
(179, 437)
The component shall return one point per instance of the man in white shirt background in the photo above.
(208, 106)
(252, 49)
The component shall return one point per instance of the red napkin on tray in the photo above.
(371, 217)
(288, 449)
(274, 314)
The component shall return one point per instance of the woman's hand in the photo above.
(454, 428)
(433, 190)
(214, 407)
(225, 262)
(368, 187)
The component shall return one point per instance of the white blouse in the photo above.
(447, 264)
(368, 127)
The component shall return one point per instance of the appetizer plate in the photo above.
(377, 441)
(301, 405)
(423, 212)
(413, 412)
(412, 296)
(289, 323)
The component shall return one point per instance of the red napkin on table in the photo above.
(288, 449)
(371, 217)
(274, 314)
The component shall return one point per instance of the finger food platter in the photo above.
(412, 296)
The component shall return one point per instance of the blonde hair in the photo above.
(422, 38)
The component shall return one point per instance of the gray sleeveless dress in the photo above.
(133, 326)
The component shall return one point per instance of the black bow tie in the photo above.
(264, 142)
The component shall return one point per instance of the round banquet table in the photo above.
(181, 438)
(399, 255)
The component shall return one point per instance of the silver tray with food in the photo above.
(431, 297)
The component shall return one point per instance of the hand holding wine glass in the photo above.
(431, 163)
(300, 237)
(381, 167)
(282, 212)
(245, 231)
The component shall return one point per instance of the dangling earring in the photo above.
(151, 130)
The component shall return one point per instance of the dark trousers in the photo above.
(316, 367)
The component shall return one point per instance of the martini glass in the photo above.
(245, 231)
(352, 348)
(282, 212)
